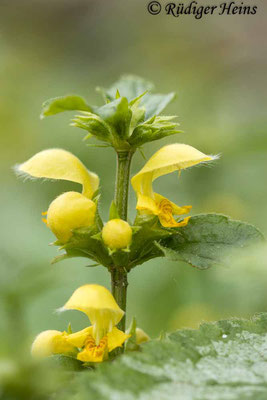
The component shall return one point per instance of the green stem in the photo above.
(118, 273)
(124, 159)
(119, 285)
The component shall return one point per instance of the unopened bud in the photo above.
(117, 234)
(141, 336)
(51, 342)
(70, 211)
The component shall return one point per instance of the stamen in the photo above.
(93, 352)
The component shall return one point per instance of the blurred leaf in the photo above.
(129, 86)
(156, 103)
(69, 330)
(131, 342)
(20, 280)
(64, 103)
(65, 362)
(208, 240)
(223, 360)
(92, 265)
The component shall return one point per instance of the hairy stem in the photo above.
(124, 159)
(119, 285)
(118, 273)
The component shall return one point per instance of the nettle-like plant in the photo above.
(129, 119)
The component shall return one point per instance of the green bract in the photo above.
(127, 120)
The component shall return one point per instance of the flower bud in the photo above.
(51, 342)
(70, 211)
(141, 336)
(117, 234)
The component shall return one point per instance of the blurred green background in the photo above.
(217, 66)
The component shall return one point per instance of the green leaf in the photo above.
(129, 86)
(69, 330)
(72, 253)
(155, 128)
(138, 114)
(65, 362)
(131, 342)
(64, 103)
(117, 114)
(144, 246)
(84, 243)
(209, 240)
(219, 361)
(156, 103)
(93, 124)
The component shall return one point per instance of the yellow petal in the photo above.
(60, 164)
(100, 307)
(145, 203)
(116, 338)
(70, 211)
(176, 210)
(184, 222)
(78, 339)
(166, 160)
(51, 342)
(168, 221)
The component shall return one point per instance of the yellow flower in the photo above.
(173, 157)
(51, 342)
(104, 313)
(117, 234)
(70, 210)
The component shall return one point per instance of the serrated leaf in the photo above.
(219, 361)
(208, 240)
(64, 103)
